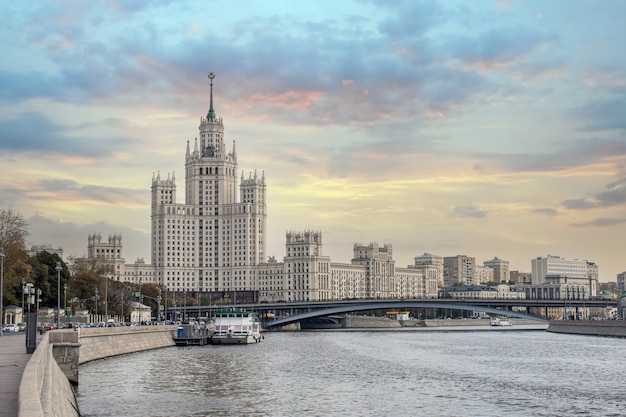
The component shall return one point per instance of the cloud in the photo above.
(561, 154)
(615, 195)
(72, 236)
(394, 68)
(599, 222)
(546, 211)
(34, 132)
(468, 211)
(600, 115)
(70, 190)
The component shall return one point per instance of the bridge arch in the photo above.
(396, 305)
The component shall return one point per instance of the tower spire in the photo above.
(211, 114)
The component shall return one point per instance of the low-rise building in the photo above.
(484, 292)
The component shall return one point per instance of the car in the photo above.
(11, 328)
(22, 326)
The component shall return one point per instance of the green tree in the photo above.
(45, 278)
(88, 276)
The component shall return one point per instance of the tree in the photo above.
(13, 230)
(13, 234)
(88, 275)
(45, 278)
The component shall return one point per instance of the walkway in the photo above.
(13, 359)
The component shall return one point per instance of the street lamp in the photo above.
(97, 298)
(58, 268)
(1, 285)
(140, 304)
(65, 300)
(106, 296)
(23, 292)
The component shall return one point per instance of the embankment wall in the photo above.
(608, 328)
(45, 388)
(102, 342)
(365, 322)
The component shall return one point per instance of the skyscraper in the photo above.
(213, 241)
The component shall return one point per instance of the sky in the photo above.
(483, 128)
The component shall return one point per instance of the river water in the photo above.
(361, 373)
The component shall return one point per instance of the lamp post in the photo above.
(65, 300)
(38, 293)
(97, 298)
(165, 306)
(140, 304)
(159, 306)
(23, 292)
(106, 296)
(58, 268)
(1, 285)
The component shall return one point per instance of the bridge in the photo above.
(292, 312)
(394, 305)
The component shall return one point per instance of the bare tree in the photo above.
(13, 234)
(13, 230)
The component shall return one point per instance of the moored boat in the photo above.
(234, 327)
(500, 321)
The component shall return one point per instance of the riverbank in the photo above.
(355, 322)
(605, 328)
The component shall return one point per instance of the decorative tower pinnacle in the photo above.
(211, 114)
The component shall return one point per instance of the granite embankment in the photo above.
(99, 343)
(608, 328)
(46, 385)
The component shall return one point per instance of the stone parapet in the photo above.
(44, 390)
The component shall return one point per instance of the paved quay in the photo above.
(13, 359)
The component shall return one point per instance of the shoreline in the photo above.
(451, 328)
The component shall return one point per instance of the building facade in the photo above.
(430, 259)
(308, 275)
(520, 278)
(459, 269)
(500, 269)
(571, 271)
(483, 274)
(621, 282)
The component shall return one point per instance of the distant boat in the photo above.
(233, 327)
(497, 321)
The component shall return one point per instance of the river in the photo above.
(361, 373)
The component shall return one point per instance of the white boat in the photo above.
(500, 321)
(233, 327)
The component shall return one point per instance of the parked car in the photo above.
(11, 328)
